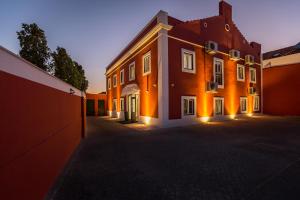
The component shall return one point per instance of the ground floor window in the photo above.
(188, 106)
(121, 104)
(114, 104)
(218, 105)
(243, 104)
(256, 103)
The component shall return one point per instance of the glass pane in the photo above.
(191, 106)
(218, 107)
(185, 106)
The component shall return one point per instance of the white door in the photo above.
(218, 106)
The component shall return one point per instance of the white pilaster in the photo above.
(163, 71)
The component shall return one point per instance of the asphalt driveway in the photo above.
(251, 158)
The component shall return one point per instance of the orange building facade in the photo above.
(281, 70)
(177, 72)
(96, 104)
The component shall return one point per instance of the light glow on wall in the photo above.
(204, 119)
(147, 120)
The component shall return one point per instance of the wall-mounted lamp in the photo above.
(72, 91)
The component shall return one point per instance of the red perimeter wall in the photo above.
(281, 90)
(40, 128)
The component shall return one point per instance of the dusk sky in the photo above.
(94, 32)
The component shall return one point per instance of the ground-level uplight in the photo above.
(147, 120)
(204, 119)
(250, 114)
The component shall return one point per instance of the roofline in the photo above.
(132, 41)
(142, 41)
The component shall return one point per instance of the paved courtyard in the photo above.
(250, 158)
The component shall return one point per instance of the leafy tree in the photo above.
(68, 70)
(34, 46)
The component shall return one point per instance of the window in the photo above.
(256, 103)
(243, 104)
(188, 106)
(122, 77)
(147, 63)
(132, 71)
(219, 72)
(218, 105)
(114, 104)
(121, 104)
(109, 83)
(188, 61)
(252, 75)
(240, 72)
(115, 80)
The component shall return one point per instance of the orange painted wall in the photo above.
(195, 84)
(148, 99)
(40, 128)
(280, 90)
(97, 97)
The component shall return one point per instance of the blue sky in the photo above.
(94, 32)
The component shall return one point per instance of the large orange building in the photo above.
(281, 81)
(177, 72)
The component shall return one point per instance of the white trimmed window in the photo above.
(132, 71)
(109, 83)
(115, 80)
(240, 72)
(218, 106)
(252, 75)
(121, 104)
(188, 106)
(147, 63)
(188, 61)
(256, 103)
(219, 72)
(114, 104)
(243, 104)
(122, 77)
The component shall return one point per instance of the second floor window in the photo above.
(122, 77)
(147, 63)
(240, 72)
(188, 61)
(132, 71)
(219, 72)
(108, 83)
(252, 75)
(115, 80)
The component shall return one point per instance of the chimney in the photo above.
(225, 10)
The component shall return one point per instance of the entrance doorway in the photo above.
(132, 108)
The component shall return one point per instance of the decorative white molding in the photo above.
(140, 43)
(283, 60)
(17, 66)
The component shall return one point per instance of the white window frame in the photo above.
(237, 72)
(214, 70)
(122, 81)
(252, 69)
(241, 99)
(182, 106)
(185, 51)
(214, 106)
(131, 65)
(115, 81)
(109, 83)
(148, 54)
(254, 99)
(122, 103)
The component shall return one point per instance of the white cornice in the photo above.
(139, 44)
